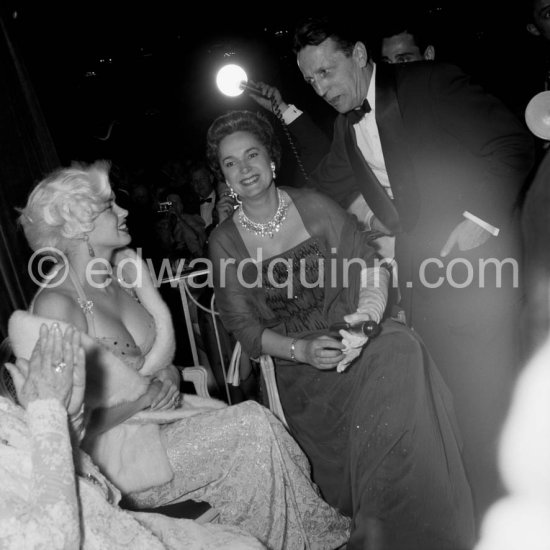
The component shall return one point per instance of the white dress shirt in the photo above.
(207, 208)
(368, 141)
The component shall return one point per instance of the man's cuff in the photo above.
(291, 114)
(368, 219)
(487, 226)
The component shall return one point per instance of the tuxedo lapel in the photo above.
(371, 189)
(395, 148)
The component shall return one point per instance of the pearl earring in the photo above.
(273, 170)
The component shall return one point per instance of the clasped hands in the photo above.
(163, 392)
(326, 352)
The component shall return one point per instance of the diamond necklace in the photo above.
(273, 225)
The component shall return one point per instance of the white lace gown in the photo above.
(242, 461)
(39, 507)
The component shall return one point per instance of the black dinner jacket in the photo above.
(448, 147)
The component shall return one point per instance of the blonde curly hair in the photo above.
(64, 205)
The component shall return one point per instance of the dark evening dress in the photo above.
(381, 436)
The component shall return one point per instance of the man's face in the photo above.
(541, 19)
(341, 81)
(401, 48)
(201, 180)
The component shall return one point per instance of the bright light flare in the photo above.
(229, 80)
(537, 115)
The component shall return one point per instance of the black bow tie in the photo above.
(208, 199)
(355, 115)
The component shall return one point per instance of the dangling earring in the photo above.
(91, 251)
(233, 195)
(273, 170)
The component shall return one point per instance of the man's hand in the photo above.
(265, 100)
(466, 235)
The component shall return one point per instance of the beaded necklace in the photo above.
(269, 228)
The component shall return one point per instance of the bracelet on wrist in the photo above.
(293, 349)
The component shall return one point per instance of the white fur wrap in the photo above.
(131, 454)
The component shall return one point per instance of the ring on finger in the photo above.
(59, 367)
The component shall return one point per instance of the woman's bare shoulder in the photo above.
(59, 303)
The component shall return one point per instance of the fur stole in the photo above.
(131, 454)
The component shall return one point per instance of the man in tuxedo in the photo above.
(420, 152)
(202, 183)
(200, 197)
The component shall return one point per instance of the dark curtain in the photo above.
(26, 154)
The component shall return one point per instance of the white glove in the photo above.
(353, 344)
(353, 340)
(373, 294)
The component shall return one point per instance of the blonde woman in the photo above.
(156, 447)
(51, 494)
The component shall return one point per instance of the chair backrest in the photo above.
(6, 383)
(198, 376)
(267, 368)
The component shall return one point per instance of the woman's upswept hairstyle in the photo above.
(241, 121)
(64, 205)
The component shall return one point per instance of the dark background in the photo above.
(145, 76)
(149, 70)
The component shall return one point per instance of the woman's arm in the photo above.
(245, 314)
(236, 303)
(49, 518)
(162, 390)
(103, 419)
(323, 352)
(46, 513)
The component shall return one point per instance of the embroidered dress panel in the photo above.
(299, 306)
